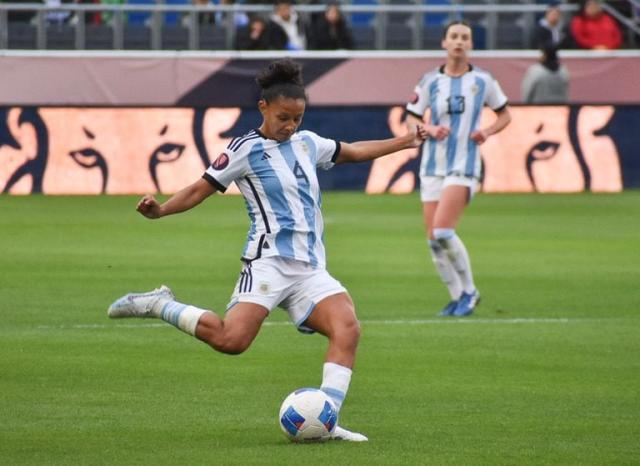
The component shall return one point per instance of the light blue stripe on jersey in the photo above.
(473, 146)
(452, 141)
(304, 191)
(435, 120)
(277, 199)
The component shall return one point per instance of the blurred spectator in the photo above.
(546, 82)
(592, 28)
(260, 34)
(552, 30)
(291, 23)
(204, 17)
(107, 16)
(56, 17)
(330, 31)
(240, 18)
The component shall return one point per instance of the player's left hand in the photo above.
(479, 136)
(419, 134)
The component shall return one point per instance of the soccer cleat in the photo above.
(139, 304)
(449, 308)
(466, 304)
(343, 434)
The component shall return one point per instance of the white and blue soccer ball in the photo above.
(308, 415)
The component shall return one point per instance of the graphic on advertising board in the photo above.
(70, 150)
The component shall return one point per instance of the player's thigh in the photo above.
(453, 200)
(428, 214)
(333, 315)
(430, 192)
(243, 321)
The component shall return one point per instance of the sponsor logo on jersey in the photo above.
(221, 162)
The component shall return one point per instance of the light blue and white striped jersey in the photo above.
(279, 183)
(456, 103)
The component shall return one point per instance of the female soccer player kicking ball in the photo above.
(274, 167)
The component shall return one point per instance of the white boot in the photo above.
(140, 304)
(343, 434)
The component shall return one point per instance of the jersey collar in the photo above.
(470, 68)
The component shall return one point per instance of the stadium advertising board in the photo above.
(76, 150)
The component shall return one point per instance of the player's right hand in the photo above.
(149, 207)
(437, 132)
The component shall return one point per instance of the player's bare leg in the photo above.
(335, 318)
(231, 335)
(441, 260)
(450, 208)
(235, 333)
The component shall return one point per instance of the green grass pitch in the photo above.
(546, 372)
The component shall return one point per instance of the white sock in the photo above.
(182, 316)
(446, 270)
(335, 382)
(458, 256)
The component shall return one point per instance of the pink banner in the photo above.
(185, 80)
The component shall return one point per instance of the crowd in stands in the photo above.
(287, 29)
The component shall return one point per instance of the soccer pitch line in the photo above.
(366, 322)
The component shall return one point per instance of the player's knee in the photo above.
(349, 332)
(443, 235)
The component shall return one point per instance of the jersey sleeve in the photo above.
(226, 168)
(327, 150)
(420, 99)
(495, 98)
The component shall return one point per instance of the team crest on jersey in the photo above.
(305, 148)
(474, 89)
(221, 162)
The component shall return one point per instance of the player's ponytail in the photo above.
(281, 78)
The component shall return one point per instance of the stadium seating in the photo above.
(139, 17)
(212, 38)
(98, 37)
(175, 37)
(392, 30)
(136, 37)
(364, 36)
(61, 37)
(363, 19)
(22, 36)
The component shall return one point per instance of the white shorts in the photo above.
(431, 186)
(294, 286)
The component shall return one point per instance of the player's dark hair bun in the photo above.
(281, 78)
(280, 72)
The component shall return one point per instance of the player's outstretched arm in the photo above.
(183, 200)
(368, 150)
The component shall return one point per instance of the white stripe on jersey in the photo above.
(279, 183)
(457, 104)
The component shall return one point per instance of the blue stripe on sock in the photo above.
(336, 395)
(171, 312)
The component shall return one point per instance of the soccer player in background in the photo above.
(450, 166)
(274, 167)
